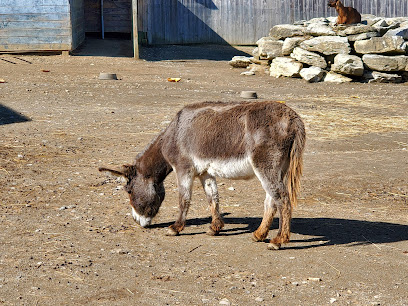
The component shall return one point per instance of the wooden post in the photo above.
(102, 21)
(135, 34)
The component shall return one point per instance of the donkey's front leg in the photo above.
(185, 185)
(210, 187)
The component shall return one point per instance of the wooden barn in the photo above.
(239, 22)
(61, 25)
(41, 25)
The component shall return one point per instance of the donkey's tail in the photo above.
(296, 161)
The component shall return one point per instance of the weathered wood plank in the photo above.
(34, 32)
(34, 47)
(39, 25)
(17, 3)
(28, 9)
(135, 29)
(32, 17)
(38, 39)
(77, 23)
(240, 21)
(32, 24)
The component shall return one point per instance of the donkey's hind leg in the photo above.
(270, 172)
(210, 187)
(285, 212)
(269, 211)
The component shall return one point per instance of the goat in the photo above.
(235, 140)
(347, 15)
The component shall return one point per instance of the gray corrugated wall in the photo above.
(239, 21)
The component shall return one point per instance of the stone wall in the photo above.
(375, 50)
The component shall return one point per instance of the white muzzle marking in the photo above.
(142, 220)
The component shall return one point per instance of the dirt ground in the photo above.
(67, 236)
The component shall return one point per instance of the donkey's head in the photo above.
(145, 195)
(333, 3)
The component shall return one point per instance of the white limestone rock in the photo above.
(381, 77)
(285, 66)
(401, 31)
(380, 23)
(291, 43)
(396, 20)
(258, 69)
(369, 19)
(333, 77)
(319, 20)
(362, 36)
(312, 74)
(382, 27)
(309, 58)
(386, 63)
(355, 29)
(320, 29)
(240, 61)
(327, 45)
(269, 48)
(281, 31)
(381, 45)
(348, 65)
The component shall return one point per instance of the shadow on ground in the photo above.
(191, 52)
(324, 231)
(8, 116)
(111, 47)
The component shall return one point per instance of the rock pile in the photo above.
(375, 50)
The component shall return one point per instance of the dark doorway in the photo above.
(108, 18)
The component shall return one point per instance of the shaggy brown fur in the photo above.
(347, 15)
(236, 140)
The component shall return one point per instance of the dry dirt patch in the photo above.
(67, 236)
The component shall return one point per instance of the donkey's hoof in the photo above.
(211, 232)
(256, 238)
(171, 232)
(273, 246)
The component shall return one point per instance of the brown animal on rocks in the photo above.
(236, 140)
(347, 15)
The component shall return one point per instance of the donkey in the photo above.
(235, 140)
(347, 15)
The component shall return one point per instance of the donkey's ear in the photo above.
(114, 172)
(129, 170)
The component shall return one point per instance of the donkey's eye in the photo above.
(127, 189)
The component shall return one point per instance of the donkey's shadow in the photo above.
(325, 231)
